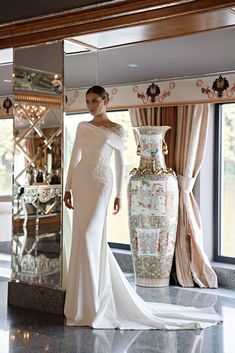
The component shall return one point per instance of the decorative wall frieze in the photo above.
(206, 89)
(220, 88)
(153, 94)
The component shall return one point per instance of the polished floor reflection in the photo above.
(24, 331)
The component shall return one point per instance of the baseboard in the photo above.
(24, 295)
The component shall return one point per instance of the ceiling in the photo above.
(198, 54)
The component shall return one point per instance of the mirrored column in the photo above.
(6, 127)
(37, 192)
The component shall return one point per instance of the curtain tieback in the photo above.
(186, 183)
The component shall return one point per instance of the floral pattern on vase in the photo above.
(153, 210)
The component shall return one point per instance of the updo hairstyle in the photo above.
(100, 91)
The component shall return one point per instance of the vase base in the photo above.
(146, 282)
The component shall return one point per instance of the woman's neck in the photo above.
(100, 118)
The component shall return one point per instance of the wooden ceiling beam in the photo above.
(107, 17)
(159, 30)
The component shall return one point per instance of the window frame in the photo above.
(218, 133)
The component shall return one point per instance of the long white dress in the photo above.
(98, 294)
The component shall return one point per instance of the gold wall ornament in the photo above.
(57, 84)
(37, 98)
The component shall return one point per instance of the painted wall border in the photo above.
(178, 92)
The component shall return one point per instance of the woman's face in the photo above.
(95, 104)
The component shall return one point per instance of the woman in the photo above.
(98, 294)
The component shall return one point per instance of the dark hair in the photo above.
(100, 91)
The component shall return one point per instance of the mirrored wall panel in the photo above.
(38, 103)
(6, 156)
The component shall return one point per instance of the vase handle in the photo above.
(164, 147)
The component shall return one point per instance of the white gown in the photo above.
(98, 294)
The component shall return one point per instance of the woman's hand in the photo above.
(68, 199)
(117, 205)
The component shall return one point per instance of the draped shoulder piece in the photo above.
(113, 136)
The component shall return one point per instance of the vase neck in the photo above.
(151, 155)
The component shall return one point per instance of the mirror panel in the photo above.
(6, 160)
(38, 98)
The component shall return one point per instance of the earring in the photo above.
(138, 150)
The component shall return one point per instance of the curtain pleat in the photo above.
(192, 264)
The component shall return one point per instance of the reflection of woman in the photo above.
(98, 294)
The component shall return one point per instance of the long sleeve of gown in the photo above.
(75, 158)
(119, 168)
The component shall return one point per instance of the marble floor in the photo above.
(24, 331)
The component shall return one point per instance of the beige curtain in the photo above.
(145, 116)
(186, 144)
(192, 263)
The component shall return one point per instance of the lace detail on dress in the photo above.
(103, 175)
(99, 168)
(117, 129)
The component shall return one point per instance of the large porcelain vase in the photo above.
(153, 210)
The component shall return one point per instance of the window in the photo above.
(117, 226)
(225, 183)
(6, 156)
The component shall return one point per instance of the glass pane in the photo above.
(6, 156)
(117, 226)
(228, 181)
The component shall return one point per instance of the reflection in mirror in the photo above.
(6, 146)
(38, 97)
